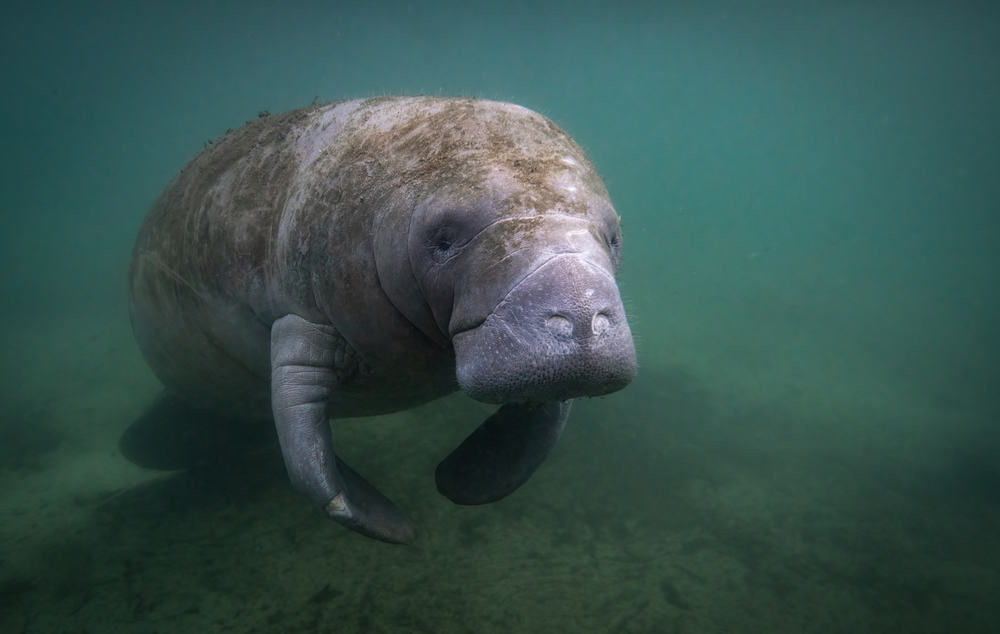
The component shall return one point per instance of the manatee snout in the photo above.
(560, 333)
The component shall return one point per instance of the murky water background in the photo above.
(809, 194)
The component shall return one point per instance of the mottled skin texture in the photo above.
(363, 257)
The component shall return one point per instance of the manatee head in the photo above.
(509, 253)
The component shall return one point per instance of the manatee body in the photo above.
(366, 256)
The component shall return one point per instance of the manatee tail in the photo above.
(172, 435)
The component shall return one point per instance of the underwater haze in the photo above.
(809, 194)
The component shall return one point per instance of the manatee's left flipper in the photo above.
(502, 453)
(302, 380)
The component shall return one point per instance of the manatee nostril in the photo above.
(559, 326)
(600, 324)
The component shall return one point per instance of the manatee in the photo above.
(362, 257)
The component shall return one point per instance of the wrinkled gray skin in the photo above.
(366, 256)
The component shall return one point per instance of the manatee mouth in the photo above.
(559, 334)
(462, 329)
(507, 374)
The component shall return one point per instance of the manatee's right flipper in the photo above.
(502, 453)
(302, 380)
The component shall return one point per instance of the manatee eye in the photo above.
(613, 238)
(442, 244)
(448, 231)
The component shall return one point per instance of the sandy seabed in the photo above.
(691, 502)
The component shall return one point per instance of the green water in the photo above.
(809, 193)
